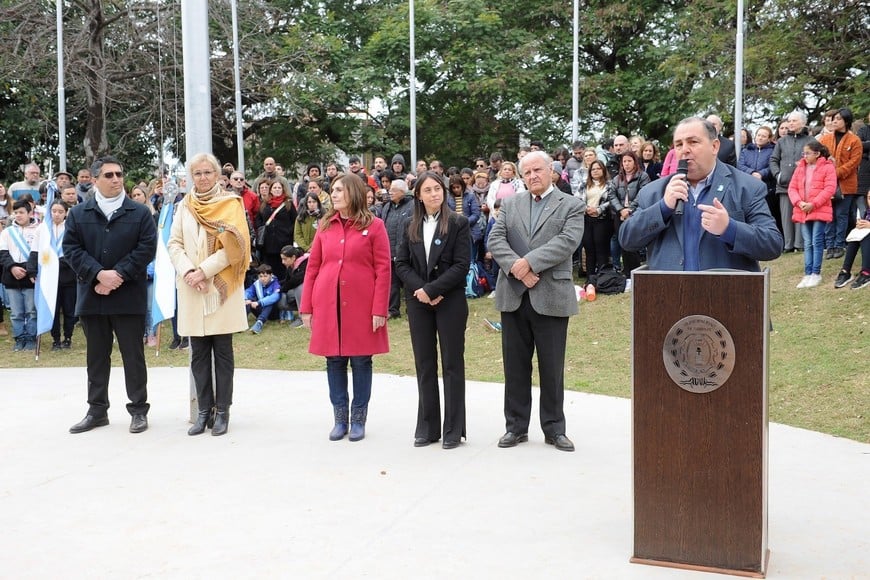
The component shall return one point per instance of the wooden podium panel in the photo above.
(700, 459)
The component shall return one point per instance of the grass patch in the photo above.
(818, 351)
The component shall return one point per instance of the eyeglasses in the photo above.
(113, 174)
(199, 174)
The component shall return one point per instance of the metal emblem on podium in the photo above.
(698, 354)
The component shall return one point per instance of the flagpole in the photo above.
(61, 98)
(413, 89)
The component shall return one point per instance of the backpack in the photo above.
(474, 282)
(609, 280)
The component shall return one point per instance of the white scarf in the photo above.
(108, 205)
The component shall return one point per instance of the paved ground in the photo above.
(274, 498)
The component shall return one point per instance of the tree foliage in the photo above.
(319, 76)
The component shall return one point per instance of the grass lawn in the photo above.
(819, 376)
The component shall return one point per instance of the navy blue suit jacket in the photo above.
(756, 235)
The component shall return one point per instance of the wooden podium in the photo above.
(700, 438)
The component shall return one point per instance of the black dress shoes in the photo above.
(512, 439)
(88, 423)
(561, 442)
(423, 441)
(138, 424)
(450, 444)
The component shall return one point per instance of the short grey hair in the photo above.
(399, 184)
(802, 117)
(542, 155)
(203, 157)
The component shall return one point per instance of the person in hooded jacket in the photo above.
(399, 167)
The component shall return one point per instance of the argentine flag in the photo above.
(163, 304)
(47, 277)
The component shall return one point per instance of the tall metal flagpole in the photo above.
(738, 80)
(575, 74)
(240, 130)
(413, 90)
(197, 99)
(197, 84)
(61, 93)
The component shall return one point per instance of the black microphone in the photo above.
(682, 169)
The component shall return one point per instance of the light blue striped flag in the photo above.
(163, 303)
(47, 277)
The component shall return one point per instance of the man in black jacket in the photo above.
(109, 242)
(396, 215)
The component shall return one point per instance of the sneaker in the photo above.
(843, 278)
(185, 343)
(55, 345)
(257, 328)
(67, 343)
(838, 253)
(815, 280)
(492, 325)
(29, 345)
(804, 282)
(297, 323)
(829, 253)
(862, 280)
(590, 292)
(19, 345)
(175, 344)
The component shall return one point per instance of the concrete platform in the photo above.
(275, 499)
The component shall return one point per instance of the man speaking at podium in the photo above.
(708, 216)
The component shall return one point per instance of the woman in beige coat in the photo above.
(210, 248)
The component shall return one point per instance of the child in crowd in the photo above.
(296, 261)
(810, 191)
(261, 296)
(15, 245)
(858, 239)
(490, 267)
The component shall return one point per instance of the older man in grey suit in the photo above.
(533, 239)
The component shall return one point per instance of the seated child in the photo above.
(261, 296)
(296, 261)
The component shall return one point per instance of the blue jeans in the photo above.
(814, 246)
(23, 313)
(836, 230)
(336, 375)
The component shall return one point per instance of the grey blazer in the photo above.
(548, 249)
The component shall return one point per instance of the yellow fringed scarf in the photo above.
(222, 215)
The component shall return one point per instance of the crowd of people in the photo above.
(338, 252)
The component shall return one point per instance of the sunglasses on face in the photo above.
(113, 174)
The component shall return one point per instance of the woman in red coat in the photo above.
(811, 188)
(344, 300)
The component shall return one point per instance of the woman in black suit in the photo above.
(432, 262)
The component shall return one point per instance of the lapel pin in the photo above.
(437, 242)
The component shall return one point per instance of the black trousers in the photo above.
(66, 304)
(444, 324)
(99, 331)
(522, 333)
(395, 306)
(214, 390)
(596, 242)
